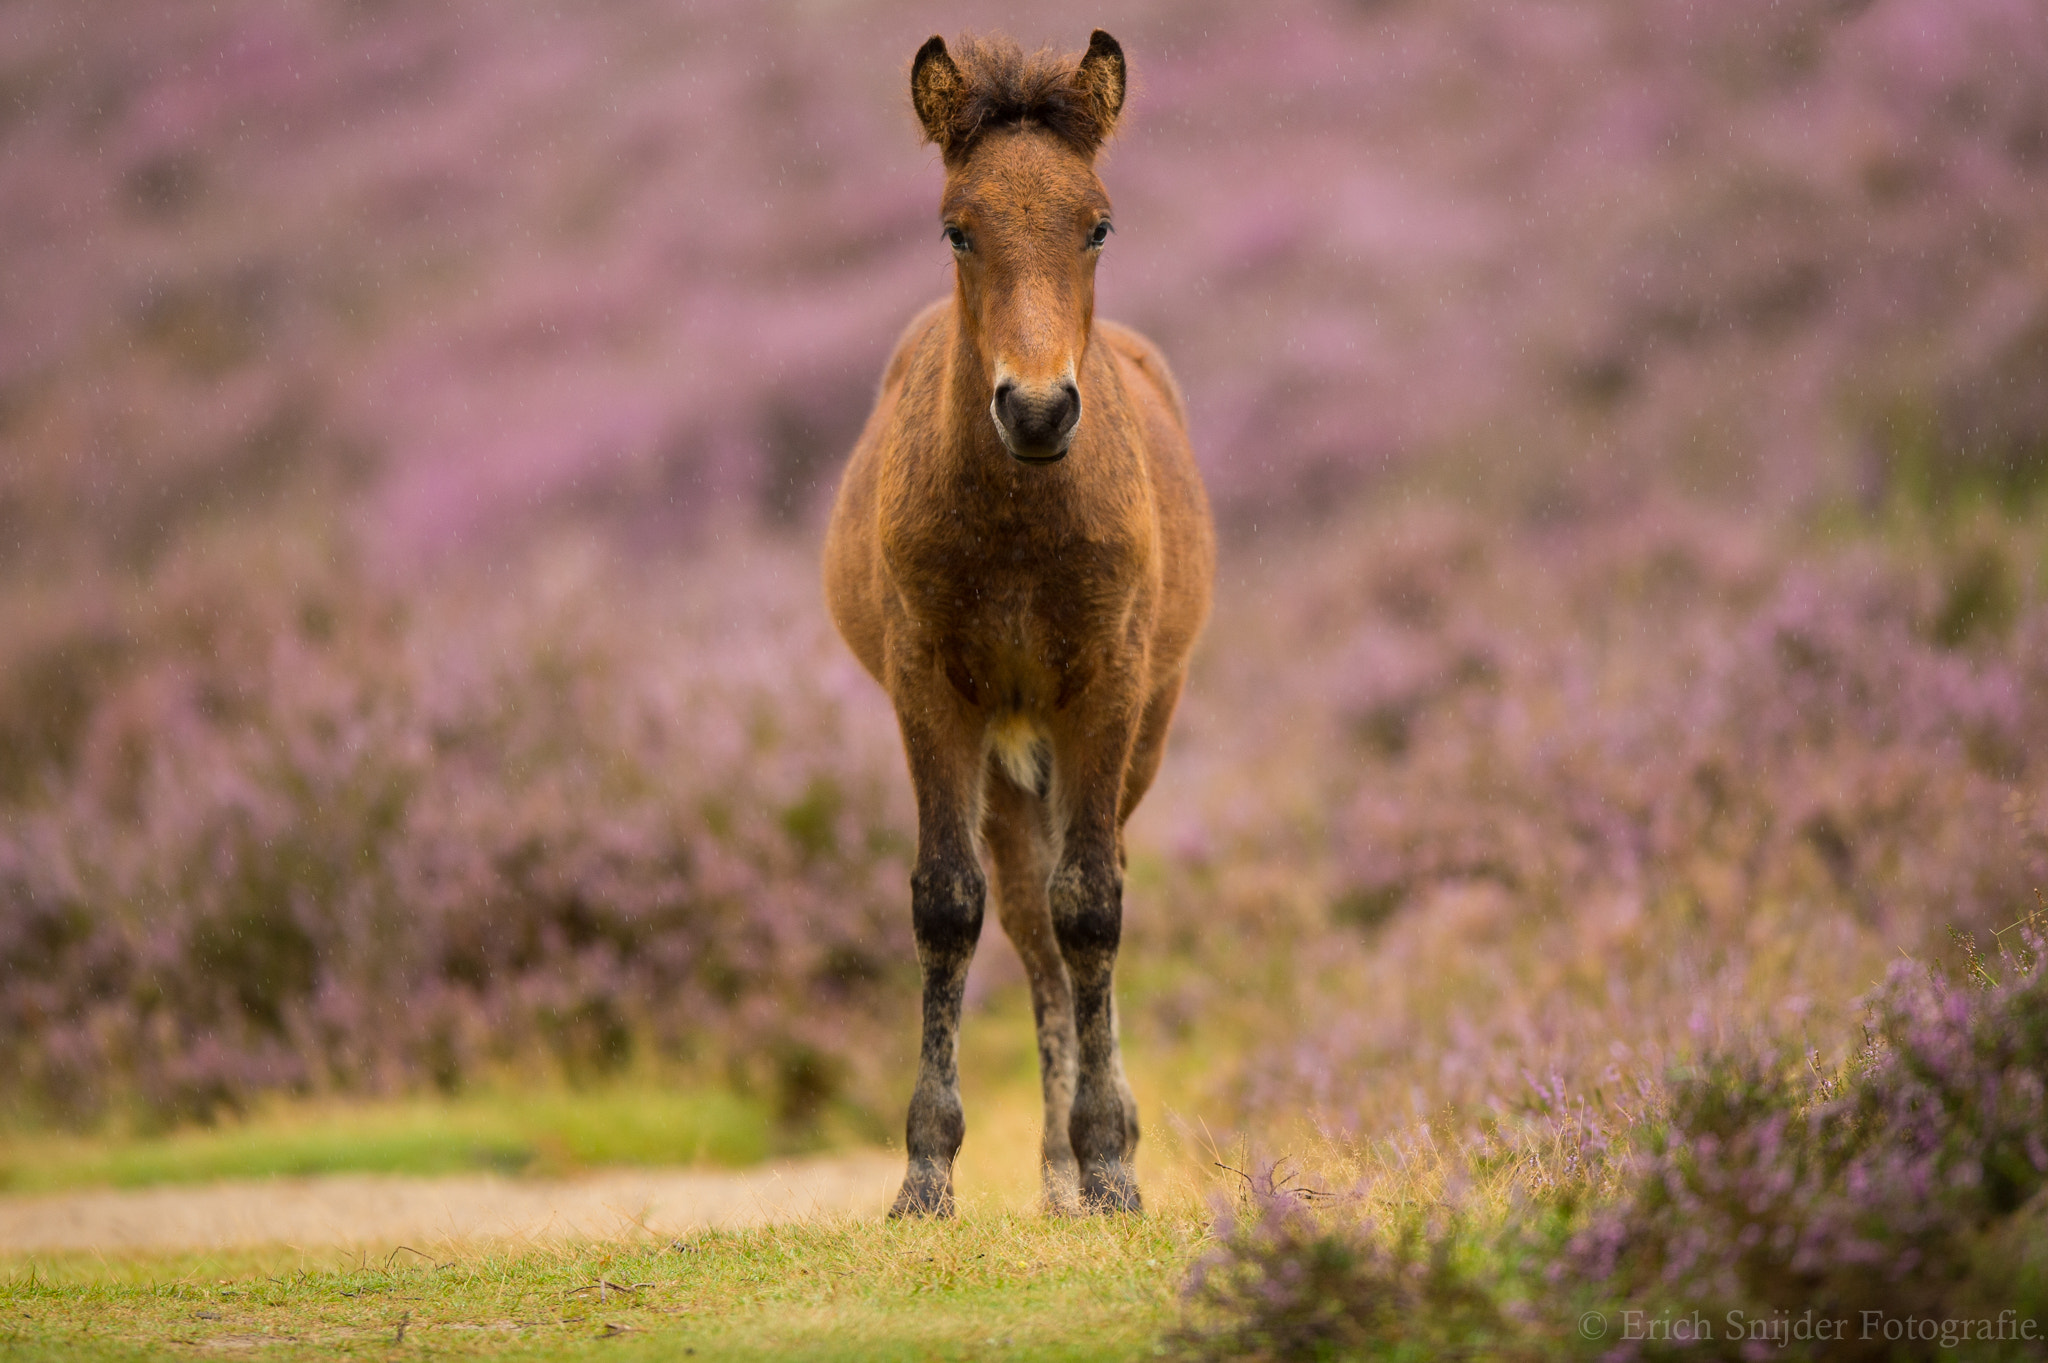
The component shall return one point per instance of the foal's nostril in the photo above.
(1066, 409)
(1007, 405)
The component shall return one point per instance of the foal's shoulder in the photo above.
(1133, 348)
(921, 326)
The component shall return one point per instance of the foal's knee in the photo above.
(1087, 908)
(947, 896)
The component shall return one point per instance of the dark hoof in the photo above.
(1108, 1188)
(926, 1192)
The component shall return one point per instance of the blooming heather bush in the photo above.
(1909, 1187)
(1810, 727)
(1285, 1281)
(1582, 804)
(470, 270)
(304, 836)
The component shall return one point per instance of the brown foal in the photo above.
(1020, 553)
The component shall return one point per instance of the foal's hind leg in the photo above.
(1143, 766)
(1013, 826)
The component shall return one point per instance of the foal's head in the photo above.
(1025, 215)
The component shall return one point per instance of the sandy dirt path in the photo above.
(373, 1210)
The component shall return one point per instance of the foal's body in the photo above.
(1020, 553)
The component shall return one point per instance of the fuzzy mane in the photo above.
(1002, 86)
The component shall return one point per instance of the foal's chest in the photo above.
(1016, 621)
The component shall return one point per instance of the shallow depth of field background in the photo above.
(1627, 423)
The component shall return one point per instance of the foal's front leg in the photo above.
(1086, 894)
(947, 892)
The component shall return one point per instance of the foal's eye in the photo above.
(1100, 234)
(956, 238)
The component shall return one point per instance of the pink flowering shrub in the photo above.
(306, 836)
(1544, 812)
(1906, 1189)
(462, 271)
(1286, 1280)
(1815, 728)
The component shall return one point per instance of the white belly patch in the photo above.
(1020, 745)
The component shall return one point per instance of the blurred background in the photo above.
(1626, 420)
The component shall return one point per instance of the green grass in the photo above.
(991, 1285)
(546, 1132)
(1001, 1282)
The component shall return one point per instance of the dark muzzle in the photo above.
(1037, 424)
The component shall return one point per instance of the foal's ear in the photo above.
(1101, 79)
(936, 90)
